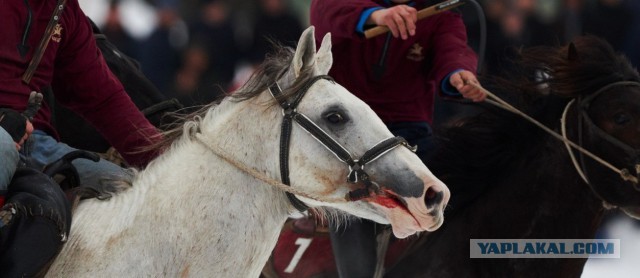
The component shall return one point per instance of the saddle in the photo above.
(36, 219)
(304, 250)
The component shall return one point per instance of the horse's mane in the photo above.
(579, 68)
(477, 151)
(274, 67)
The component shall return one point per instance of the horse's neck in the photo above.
(189, 212)
(545, 199)
(235, 218)
(240, 216)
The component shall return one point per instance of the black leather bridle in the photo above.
(356, 166)
(583, 104)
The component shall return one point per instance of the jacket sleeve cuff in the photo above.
(363, 18)
(446, 88)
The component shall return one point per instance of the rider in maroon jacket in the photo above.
(35, 220)
(398, 75)
(74, 67)
(415, 65)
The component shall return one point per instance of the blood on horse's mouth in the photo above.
(391, 200)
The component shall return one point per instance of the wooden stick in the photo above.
(426, 12)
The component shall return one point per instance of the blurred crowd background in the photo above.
(195, 50)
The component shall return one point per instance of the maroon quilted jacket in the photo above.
(415, 68)
(74, 67)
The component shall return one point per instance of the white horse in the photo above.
(193, 213)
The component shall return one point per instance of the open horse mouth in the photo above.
(408, 215)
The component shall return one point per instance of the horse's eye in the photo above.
(621, 118)
(334, 118)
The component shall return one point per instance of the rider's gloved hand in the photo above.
(35, 101)
(13, 123)
(19, 125)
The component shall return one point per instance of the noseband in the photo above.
(356, 166)
(583, 104)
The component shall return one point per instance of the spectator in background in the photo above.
(572, 26)
(506, 22)
(274, 22)
(609, 19)
(114, 30)
(631, 46)
(159, 54)
(209, 61)
(151, 32)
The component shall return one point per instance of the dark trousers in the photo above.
(354, 246)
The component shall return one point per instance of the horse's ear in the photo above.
(573, 53)
(325, 58)
(305, 52)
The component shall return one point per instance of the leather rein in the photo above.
(356, 174)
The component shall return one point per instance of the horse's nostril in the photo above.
(432, 197)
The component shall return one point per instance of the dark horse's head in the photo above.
(605, 112)
(510, 179)
(598, 91)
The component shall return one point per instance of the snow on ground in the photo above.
(628, 265)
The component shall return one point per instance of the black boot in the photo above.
(354, 249)
(35, 223)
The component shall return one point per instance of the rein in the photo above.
(262, 177)
(356, 166)
(624, 173)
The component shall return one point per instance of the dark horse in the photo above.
(511, 180)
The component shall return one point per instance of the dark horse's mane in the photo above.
(479, 150)
(274, 67)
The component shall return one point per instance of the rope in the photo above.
(262, 177)
(381, 252)
(498, 102)
(563, 129)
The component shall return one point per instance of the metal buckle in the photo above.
(287, 112)
(354, 172)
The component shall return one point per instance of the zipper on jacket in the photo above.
(23, 47)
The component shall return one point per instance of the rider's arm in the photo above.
(83, 82)
(451, 52)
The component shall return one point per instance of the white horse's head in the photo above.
(407, 194)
